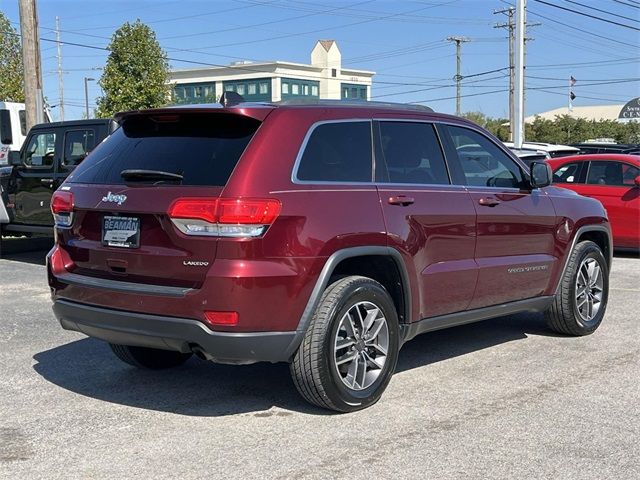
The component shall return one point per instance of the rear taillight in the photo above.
(62, 208)
(224, 217)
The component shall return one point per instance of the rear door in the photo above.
(428, 220)
(515, 225)
(35, 178)
(121, 228)
(612, 183)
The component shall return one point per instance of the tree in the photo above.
(498, 126)
(136, 72)
(11, 72)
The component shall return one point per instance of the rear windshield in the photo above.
(203, 148)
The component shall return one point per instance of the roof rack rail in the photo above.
(355, 103)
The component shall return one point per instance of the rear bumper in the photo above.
(169, 333)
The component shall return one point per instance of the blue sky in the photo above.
(403, 41)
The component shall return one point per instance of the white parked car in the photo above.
(551, 148)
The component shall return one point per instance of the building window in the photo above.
(293, 87)
(194, 93)
(354, 91)
(254, 90)
(334, 72)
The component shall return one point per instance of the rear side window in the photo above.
(203, 148)
(611, 173)
(338, 152)
(412, 154)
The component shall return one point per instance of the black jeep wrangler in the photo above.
(50, 152)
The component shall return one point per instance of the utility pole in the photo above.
(86, 94)
(510, 26)
(34, 102)
(60, 72)
(458, 78)
(518, 134)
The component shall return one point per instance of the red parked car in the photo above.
(614, 180)
(321, 235)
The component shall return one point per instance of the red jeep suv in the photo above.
(322, 235)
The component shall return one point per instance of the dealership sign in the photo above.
(631, 110)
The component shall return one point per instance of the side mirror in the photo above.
(14, 158)
(540, 174)
(637, 181)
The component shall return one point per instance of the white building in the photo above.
(621, 113)
(274, 81)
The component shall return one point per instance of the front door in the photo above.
(428, 220)
(515, 225)
(35, 179)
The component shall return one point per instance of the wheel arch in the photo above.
(367, 261)
(600, 235)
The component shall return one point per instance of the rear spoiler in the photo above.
(256, 111)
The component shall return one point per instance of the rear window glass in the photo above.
(338, 152)
(203, 148)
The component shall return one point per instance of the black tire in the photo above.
(563, 316)
(152, 358)
(314, 370)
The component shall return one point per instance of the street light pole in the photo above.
(86, 94)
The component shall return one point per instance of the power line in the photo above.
(603, 11)
(588, 15)
(585, 79)
(581, 30)
(271, 22)
(627, 4)
(603, 63)
(581, 96)
(462, 96)
(610, 82)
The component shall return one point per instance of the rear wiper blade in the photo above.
(138, 174)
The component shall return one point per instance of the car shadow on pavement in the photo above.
(199, 388)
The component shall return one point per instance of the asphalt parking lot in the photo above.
(501, 399)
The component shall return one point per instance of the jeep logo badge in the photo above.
(113, 198)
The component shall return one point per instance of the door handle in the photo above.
(401, 200)
(47, 181)
(489, 202)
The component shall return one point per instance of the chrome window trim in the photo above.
(303, 146)
(433, 122)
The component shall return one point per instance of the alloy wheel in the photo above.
(361, 345)
(589, 289)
